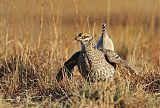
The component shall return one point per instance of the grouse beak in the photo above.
(77, 38)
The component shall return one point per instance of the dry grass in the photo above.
(37, 38)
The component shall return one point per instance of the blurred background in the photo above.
(38, 36)
(134, 25)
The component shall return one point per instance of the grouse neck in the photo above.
(90, 45)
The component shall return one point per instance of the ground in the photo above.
(37, 37)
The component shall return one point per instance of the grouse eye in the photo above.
(84, 35)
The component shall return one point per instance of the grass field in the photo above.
(37, 37)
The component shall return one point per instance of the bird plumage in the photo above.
(79, 57)
(96, 67)
(105, 42)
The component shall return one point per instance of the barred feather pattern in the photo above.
(93, 65)
(105, 41)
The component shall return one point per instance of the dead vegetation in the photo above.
(37, 37)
